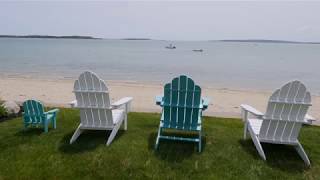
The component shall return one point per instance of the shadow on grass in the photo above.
(88, 141)
(21, 137)
(282, 157)
(30, 132)
(174, 151)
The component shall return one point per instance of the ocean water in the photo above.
(261, 66)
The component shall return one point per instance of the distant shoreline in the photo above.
(147, 39)
(64, 37)
(267, 41)
(48, 37)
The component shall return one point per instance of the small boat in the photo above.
(170, 47)
(197, 50)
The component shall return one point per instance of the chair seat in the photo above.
(49, 116)
(117, 115)
(255, 125)
(198, 128)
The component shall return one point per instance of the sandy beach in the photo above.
(224, 102)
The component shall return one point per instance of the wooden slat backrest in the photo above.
(285, 113)
(181, 106)
(93, 100)
(33, 111)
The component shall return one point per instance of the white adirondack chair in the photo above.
(286, 113)
(96, 111)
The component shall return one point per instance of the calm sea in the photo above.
(261, 66)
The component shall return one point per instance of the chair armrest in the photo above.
(159, 100)
(73, 103)
(309, 119)
(251, 110)
(205, 103)
(121, 102)
(52, 111)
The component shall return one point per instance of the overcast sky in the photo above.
(298, 21)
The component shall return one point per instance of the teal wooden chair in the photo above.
(34, 115)
(182, 108)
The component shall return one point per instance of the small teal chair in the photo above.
(34, 115)
(182, 108)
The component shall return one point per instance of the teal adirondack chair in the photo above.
(34, 115)
(182, 108)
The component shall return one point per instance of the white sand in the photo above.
(224, 102)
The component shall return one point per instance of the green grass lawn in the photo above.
(33, 154)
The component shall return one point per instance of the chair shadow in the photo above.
(282, 157)
(174, 151)
(30, 132)
(23, 136)
(88, 141)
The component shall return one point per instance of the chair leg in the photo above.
(156, 146)
(54, 121)
(127, 109)
(302, 153)
(257, 144)
(244, 115)
(245, 130)
(199, 144)
(46, 126)
(113, 133)
(125, 122)
(76, 134)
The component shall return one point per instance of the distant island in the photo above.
(48, 37)
(269, 41)
(63, 37)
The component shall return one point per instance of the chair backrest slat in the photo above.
(189, 102)
(285, 112)
(181, 104)
(33, 111)
(93, 100)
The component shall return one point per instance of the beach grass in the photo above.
(32, 154)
